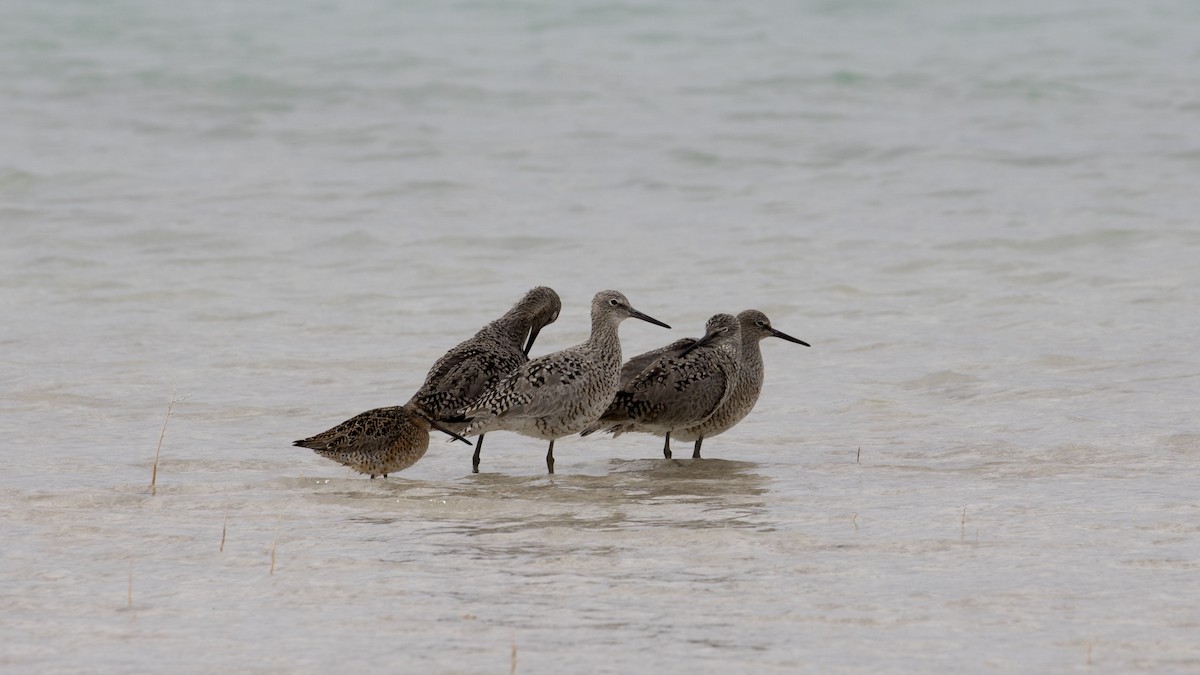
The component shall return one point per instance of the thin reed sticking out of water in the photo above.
(274, 542)
(224, 525)
(161, 436)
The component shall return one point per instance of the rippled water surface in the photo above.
(982, 217)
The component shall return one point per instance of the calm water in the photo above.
(984, 218)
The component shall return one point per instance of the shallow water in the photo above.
(982, 218)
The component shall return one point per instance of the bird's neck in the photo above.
(604, 340)
(751, 356)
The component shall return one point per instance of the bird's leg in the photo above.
(696, 450)
(667, 446)
(475, 457)
(550, 458)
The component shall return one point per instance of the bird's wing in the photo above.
(634, 366)
(373, 430)
(460, 377)
(676, 390)
(537, 388)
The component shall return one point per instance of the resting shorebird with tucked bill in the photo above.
(560, 393)
(675, 387)
(473, 366)
(755, 327)
(378, 442)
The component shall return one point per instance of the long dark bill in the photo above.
(649, 319)
(789, 338)
(533, 333)
(708, 337)
(446, 431)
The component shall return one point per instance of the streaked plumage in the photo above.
(376, 442)
(460, 377)
(563, 392)
(755, 326)
(675, 387)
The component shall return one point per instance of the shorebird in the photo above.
(378, 442)
(675, 387)
(560, 393)
(755, 326)
(472, 367)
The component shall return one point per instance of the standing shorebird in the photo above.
(386, 440)
(675, 387)
(379, 441)
(755, 326)
(560, 393)
(472, 367)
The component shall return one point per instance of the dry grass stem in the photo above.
(962, 531)
(224, 526)
(129, 598)
(858, 457)
(161, 436)
(512, 663)
(854, 520)
(274, 542)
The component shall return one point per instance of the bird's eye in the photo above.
(613, 302)
(760, 324)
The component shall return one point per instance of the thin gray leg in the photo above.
(550, 458)
(667, 446)
(696, 450)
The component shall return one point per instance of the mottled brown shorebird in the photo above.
(560, 393)
(755, 327)
(378, 442)
(472, 367)
(675, 387)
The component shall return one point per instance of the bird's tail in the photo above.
(601, 425)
